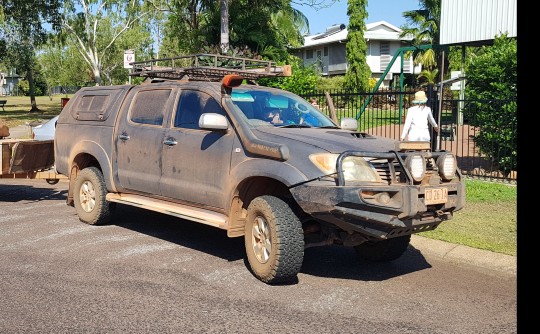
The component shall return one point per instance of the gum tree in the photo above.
(97, 25)
(23, 32)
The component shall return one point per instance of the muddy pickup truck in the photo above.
(203, 142)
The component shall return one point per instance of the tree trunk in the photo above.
(97, 77)
(30, 77)
(224, 43)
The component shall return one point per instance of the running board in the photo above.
(178, 210)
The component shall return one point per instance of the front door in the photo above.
(196, 162)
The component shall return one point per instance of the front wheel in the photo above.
(89, 197)
(274, 240)
(385, 250)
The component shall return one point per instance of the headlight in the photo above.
(446, 164)
(354, 168)
(416, 164)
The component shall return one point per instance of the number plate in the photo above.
(436, 196)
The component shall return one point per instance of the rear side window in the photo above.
(148, 106)
(94, 104)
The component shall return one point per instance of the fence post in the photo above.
(331, 108)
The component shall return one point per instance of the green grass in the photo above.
(488, 221)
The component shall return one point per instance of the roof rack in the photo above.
(207, 67)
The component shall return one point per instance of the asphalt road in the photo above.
(151, 273)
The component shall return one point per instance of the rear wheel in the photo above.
(89, 197)
(274, 240)
(385, 250)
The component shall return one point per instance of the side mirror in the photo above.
(348, 123)
(211, 121)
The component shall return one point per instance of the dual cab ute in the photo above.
(201, 142)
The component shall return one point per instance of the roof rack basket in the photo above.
(207, 67)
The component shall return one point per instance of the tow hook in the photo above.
(439, 213)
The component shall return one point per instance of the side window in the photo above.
(192, 105)
(148, 106)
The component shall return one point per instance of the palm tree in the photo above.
(429, 76)
(423, 25)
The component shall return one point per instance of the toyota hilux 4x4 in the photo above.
(201, 142)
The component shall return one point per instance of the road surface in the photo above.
(151, 273)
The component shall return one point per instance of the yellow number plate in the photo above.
(436, 196)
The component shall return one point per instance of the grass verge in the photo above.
(488, 221)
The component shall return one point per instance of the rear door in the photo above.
(139, 138)
(196, 162)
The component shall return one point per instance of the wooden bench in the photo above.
(2, 104)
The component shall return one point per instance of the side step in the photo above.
(174, 209)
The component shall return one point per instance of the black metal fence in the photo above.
(383, 114)
(59, 90)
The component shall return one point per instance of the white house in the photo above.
(327, 50)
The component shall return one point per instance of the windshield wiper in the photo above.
(330, 127)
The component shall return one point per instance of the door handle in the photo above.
(123, 136)
(170, 142)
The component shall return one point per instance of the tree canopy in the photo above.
(23, 32)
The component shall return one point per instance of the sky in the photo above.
(378, 10)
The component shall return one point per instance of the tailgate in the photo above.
(26, 156)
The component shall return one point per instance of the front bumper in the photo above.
(378, 211)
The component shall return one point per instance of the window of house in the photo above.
(309, 54)
(325, 51)
(385, 48)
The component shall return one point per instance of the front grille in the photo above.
(390, 166)
(389, 170)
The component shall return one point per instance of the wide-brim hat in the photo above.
(420, 97)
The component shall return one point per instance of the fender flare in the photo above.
(95, 150)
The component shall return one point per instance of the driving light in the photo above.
(416, 164)
(354, 168)
(446, 164)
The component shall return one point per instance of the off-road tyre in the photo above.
(383, 251)
(89, 197)
(274, 240)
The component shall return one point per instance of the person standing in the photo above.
(417, 118)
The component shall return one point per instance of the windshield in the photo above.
(277, 108)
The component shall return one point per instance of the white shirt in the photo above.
(416, 123)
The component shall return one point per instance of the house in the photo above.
(8, 84)
(327, 51)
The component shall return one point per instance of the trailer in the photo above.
(28, 159)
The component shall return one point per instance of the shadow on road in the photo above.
(34, 190)
(330, 261)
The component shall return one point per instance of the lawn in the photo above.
(488, 220)
(17, 109)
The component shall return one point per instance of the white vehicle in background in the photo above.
(45, 131)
